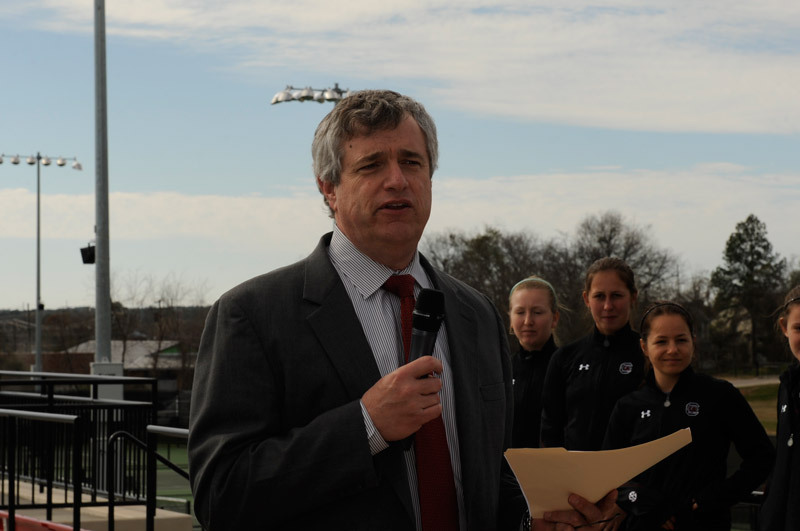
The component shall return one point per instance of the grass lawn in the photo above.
(764, 399)
(169, 483)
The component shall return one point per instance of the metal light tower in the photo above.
(102, 313)
(40, 161)
(307, 94)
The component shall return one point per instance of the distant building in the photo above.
(139, 358)
(16, 335)
(148, 357)
(139, 354)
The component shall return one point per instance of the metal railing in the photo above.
(43, 459)
(745, 513)
(67, 395)
(153, 433)
(45, 462)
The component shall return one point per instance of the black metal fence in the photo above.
(150, 446)
(54, 449)
(29, 461)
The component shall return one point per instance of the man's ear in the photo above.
(328, 189)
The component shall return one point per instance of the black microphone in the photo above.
(426, 321)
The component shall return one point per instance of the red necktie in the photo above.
(437, 489)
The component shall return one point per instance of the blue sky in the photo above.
(683, 116)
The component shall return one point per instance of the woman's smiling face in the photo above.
(669, 345)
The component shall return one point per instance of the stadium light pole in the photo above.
(40, 161)
(291, 93)
(102, 271)
(102, 365)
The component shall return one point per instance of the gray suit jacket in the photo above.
(277, 439)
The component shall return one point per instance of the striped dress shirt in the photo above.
(379, 314)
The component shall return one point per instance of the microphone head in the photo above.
(429, 310)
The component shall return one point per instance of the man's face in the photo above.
(383, 199)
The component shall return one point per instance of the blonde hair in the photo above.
(536, 282)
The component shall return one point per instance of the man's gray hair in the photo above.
(362, 113)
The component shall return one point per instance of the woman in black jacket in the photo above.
(781, 508)
(586, 378)
(533, 312)
(689, 490)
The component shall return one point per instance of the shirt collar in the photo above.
(600, 337)
(364, 273)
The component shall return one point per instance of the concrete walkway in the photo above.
(752, 381)
(126, 517)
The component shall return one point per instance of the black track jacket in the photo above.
(718, 415)
(584, 380)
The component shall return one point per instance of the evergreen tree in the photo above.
(750, 278)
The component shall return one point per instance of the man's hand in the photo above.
(405, 399)
(605, 515)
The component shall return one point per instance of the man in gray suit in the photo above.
(302, 401)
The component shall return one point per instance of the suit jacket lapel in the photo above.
(336, 324)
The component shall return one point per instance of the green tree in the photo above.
(492, 261)
(696, 295)
(749, 280)
(609, 234)
(793, 276)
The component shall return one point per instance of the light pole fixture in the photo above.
(291, 93)
(87, 254)
(40, 161)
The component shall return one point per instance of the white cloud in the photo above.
(216, 241)
(691, 211)
(164, 215)
(720, 66)
(221, 241)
